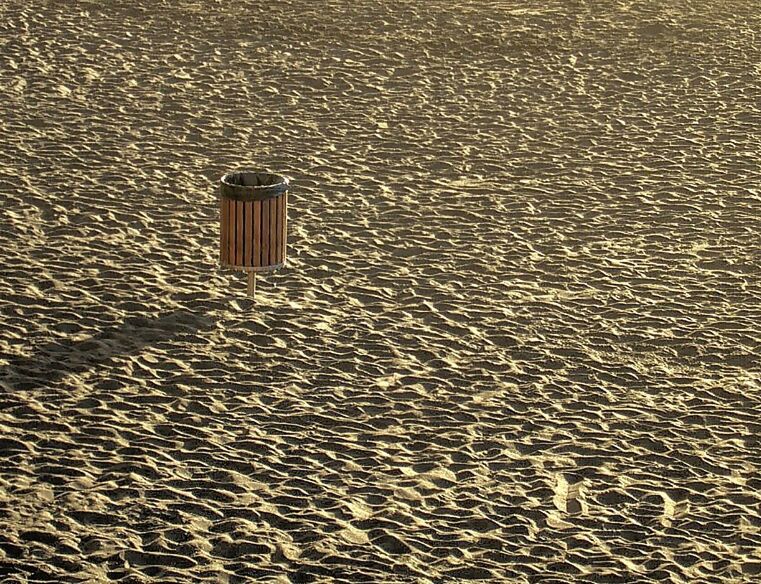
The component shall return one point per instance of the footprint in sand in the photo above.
(673, 509)
(569, 495)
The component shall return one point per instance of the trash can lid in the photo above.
(250, 185)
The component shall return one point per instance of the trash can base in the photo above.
(258, 269)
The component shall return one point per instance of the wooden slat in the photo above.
(285, 225)
(279, 230)
(231, 232)
(273, 231)
(266, 232)
(239, 233)
(223, 229)
(278, 227)
(257, 234)
(249, 232)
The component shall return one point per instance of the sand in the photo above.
(518, 337)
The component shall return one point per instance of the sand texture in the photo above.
(518, 336)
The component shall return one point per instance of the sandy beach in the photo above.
(517, 338)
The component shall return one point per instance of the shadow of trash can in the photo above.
(253, 218)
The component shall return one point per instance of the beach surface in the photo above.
(517, 339)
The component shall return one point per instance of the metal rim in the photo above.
(251, 185)
(271, 268)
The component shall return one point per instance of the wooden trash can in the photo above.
(253, 222)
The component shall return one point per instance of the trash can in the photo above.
(253, 222)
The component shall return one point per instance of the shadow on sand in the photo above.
(61, 357)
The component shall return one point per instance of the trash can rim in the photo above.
(276, 185)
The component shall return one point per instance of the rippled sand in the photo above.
(518, 339)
